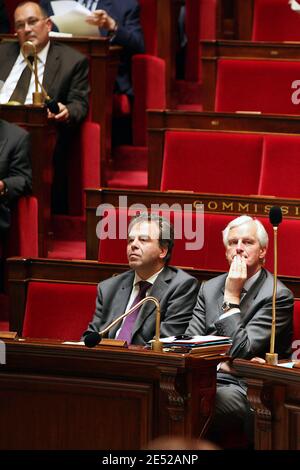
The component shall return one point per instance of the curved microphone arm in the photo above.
(156, 344)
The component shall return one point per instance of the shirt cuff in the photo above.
(228, 314)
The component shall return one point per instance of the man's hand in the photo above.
(62, 116)
(236, 279)
(101, 19)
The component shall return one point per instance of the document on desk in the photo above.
(70, 17)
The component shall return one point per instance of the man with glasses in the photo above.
(120, 21)
(62, 70)
(64, 74)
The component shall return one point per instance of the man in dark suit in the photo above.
(15, 169)
(64, 74)
(119, 20)
(239, 304)
(62, 70)
(149, 247)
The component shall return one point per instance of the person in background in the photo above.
(120, 21)
(238, 304)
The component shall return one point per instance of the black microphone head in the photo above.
(92, 339)
(275, 216)
(52, 105)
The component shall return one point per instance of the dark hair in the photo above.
(166, 230)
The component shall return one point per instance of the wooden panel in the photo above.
(274, 393)
(56, 396)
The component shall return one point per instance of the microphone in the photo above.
(29, 49)
(275, 217)
(94, 338)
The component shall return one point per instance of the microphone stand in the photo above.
(156, 344)
(272, 357)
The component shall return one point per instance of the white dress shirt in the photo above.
(16, 71)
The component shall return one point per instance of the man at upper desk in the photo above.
(119, 20)
(239, 304)
(149, 248)
(62, 70)
(15, 169)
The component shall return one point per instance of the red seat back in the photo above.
(280, 171)
(22, 239)
(83, 165)
(256, 85)
(274, 20)
(296, 322)
(207, 162)
(148, 15)
(200, 24)
(58, 310)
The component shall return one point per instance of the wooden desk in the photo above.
(43, 137)
(212, 51)
(104, 61)
(159, 121)
(274, 393)
(55, 396)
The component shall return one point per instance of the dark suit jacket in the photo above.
(250, 330)
(65, 77)
(129, 35)
(175, 290)
(4, 21)
(15, 169)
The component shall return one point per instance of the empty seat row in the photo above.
(232, 163)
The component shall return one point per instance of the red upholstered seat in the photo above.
(280, 171)
(256, 85)
(22, 239)
(58, 310)
(148, 14)
(84, 165)
(208, 162)
(200, 24)
(273, 20)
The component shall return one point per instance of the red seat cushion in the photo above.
(208, 161)
(58, 310)
(256, 85)
(280, 171)
(274, 20)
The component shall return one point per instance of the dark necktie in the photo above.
(127, 327)
(20, 92)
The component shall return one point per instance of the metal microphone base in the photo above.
(272, 359)
(37, 98)
(157, 345)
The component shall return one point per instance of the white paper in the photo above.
(70, 16)
(195, 339)
(294, 5)
(80, 343)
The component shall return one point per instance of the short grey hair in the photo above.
(261, 232)
(166, 230)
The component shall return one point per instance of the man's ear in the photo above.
(163, 252)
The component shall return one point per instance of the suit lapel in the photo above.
(7, 61)
(120, 302)
(51, 68)
(2, 144)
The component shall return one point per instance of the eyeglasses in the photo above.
(32, 22)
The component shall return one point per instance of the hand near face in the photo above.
(236, 279)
